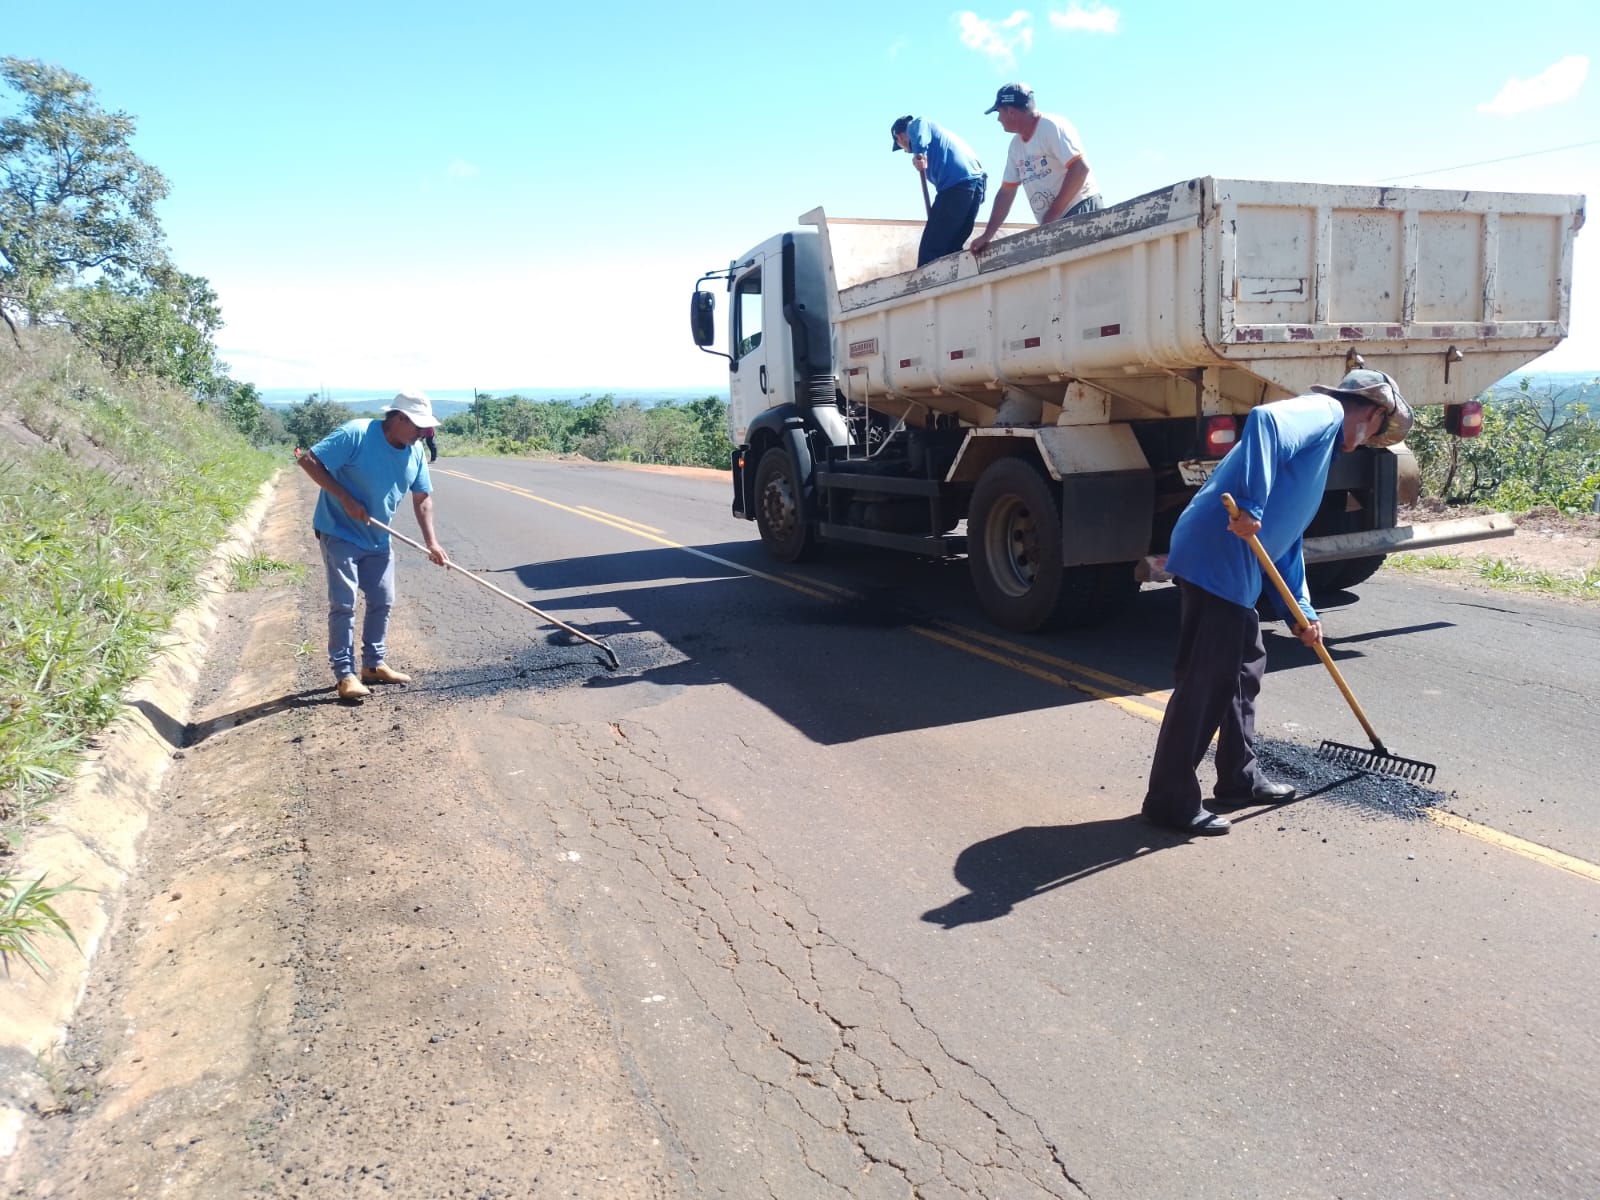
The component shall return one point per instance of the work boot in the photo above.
(351, 688)
(383, 673)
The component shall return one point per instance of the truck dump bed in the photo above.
(1241, 291)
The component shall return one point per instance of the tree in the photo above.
(241, 407)
(74, 197)
(313, 419)
(163, 329)
(1537, 447)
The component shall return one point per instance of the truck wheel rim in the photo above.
(777, 502)
(1013, 547)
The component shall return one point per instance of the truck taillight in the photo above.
(1221, 434)
(1464, 420)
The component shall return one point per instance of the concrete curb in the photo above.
(94, 829)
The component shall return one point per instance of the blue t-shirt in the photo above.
(1277, 473)
(950, 160)
(361, 458)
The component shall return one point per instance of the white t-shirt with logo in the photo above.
(1040, 164)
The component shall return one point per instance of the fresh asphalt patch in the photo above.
(1366, 792)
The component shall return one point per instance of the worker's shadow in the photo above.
(199, 731)
(1001, 872)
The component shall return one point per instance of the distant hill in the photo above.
(447, 402)
(1568, 387)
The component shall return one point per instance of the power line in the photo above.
(1488, 161)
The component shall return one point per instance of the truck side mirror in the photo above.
(701, 307)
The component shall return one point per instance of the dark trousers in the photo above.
(1087, 204)
(1216, 681)
(950, 220)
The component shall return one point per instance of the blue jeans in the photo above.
(950, 219)
(350, 567)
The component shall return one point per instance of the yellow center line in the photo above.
(1511, 842)
(1123, 686)
(613, 517)
(1029, 662)
(1015, 663)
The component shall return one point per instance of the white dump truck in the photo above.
(1050, 406)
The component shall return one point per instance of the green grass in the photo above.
(113, 495)
(251, 570)
(1499, 573)
(27, 913)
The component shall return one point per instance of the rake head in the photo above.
(1376, 758)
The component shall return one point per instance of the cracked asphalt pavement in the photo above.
(826, 892)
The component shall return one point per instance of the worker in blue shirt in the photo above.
(958, 179)
(1277, 474)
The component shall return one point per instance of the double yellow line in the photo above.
(1125, 694)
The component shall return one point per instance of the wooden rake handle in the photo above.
(1269, 568)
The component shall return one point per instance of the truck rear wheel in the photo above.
(1014, 551)
(780, 514)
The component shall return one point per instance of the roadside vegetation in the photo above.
(1537, 458)
(1497, 572)
(1539, 448)
(601, 428)
(125, 448)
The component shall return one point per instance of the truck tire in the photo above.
(780, 515)
(1346, 574)
(1014, 541)
(1323, 579)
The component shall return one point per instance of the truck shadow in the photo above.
(843, 649)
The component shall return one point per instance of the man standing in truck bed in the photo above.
(1045, 159)
(958, 180)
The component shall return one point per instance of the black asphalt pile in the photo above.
(556, 662)
(1366, 791)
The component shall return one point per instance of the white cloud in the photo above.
(1554, 85)
(459, 168)
(999, 40)
(1096, 18)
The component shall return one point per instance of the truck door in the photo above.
(749, 380)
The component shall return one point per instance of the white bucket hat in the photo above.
(416, 406)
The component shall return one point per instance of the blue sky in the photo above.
(496, 194)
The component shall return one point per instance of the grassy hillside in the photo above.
(113, 493)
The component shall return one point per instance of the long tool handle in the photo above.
(450, 566)
(1270, 569)
(927, 204)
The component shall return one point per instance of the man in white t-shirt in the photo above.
(1045, 159)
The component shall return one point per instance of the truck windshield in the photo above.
(747, 314)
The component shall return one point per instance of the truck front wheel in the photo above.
(780, 514)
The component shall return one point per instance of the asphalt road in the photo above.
(864, 877)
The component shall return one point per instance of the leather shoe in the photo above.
(352, 690)
(1265, 792)
(383, 673)
(1202, 824)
